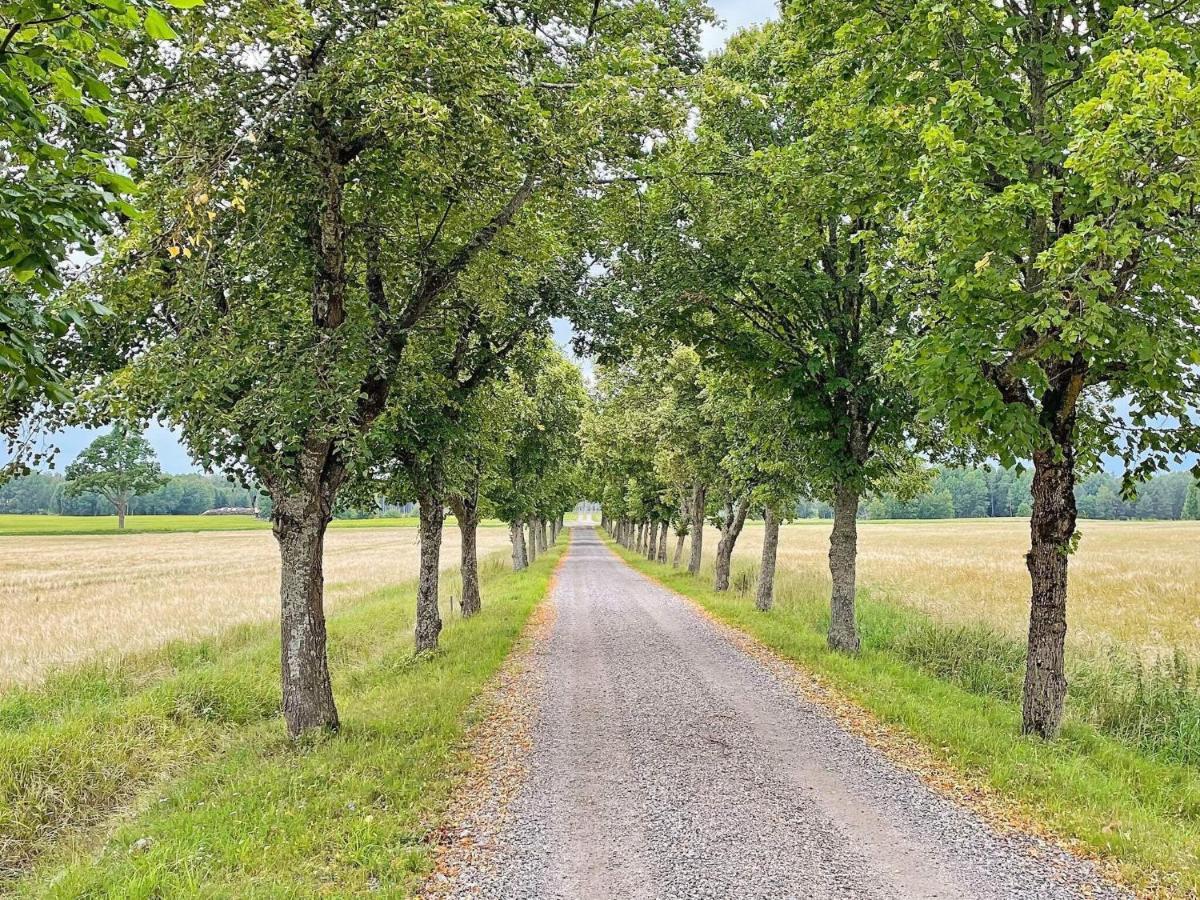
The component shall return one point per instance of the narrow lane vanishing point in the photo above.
(667, 763)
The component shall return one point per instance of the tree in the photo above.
(752, 239)
(1050, 258)
(118, 466)
(319, 202)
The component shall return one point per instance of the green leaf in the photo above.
(158, 27)
(112, 57)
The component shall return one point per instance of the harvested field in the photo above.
(68, 599)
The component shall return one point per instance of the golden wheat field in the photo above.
(1133, 583)
(66, 599)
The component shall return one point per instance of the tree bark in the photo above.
(299, 522)
(699, 498)
(122, 507)
(429, 617)
(652, 541)
(544, 535)
(765, 597)
(662, 542)
(680, 537)
(466, 511)
(843, 557)
(531, 544)
(1052, 526)
(731, 527)
(516, 534)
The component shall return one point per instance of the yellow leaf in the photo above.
(984, 264)
(187, 252)
(174, 251)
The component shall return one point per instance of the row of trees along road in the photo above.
(919, 226)
(353, 220)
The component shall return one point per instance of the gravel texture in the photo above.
(668, 763)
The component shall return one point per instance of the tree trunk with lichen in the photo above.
(429, 617)
(699, 499)
(466, 511)
(299, 519)
(731, 527)
(765, 596)
(1052, 529)
(843, 557)
(516, 534)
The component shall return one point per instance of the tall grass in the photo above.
(1152, 705)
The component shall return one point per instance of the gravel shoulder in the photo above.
(660, 760)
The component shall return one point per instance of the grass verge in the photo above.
(171, 776)
(1139, 809)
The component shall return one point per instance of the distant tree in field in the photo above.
(1050, 261)
(117, 466)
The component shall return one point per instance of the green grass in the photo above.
(186, 748)
(1098, 785)
(12, 524)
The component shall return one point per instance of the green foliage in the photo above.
(41, 493)
(317, 212)
(534, 417)
(1050, 254)
(1191, 506)
(62, 64)
(751, 238)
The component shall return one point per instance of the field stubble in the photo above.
(1135, 585)
(71, 599)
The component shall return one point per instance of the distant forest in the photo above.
(953, 493)
(979, 493)
(45, 493)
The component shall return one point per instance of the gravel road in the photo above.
(667, 763)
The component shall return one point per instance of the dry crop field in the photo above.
(1133, 583)
(67, 599)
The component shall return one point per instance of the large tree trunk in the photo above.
(466, 511)
(122, 508)
(516, 534)
(652, 541)
(299, 523)
(766, 570)
(1051, 526)
(429, 617)
(699, 498)
(731, 527)
(531, 544)
(543, 535)
(843, 556)
(662, 542)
